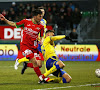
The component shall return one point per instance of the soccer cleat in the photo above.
(24, 67)
(46, 79)
(41, 82)
(43, 79)
(16, 64)
(51, 75)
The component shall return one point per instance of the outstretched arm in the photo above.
(59, 37)
(2, 18)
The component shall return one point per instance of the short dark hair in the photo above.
(36, 12)
(41, 7)
(50, 31)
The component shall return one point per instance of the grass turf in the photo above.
(82, 73)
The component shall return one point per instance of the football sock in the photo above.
(30, 65)
(37, 71)
(23, 59)
(45, 66)
(64, 80)
(51, 70)
(55, 80)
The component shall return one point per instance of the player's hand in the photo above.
(2, 18)
(68, 38)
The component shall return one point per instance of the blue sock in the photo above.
(64, 80)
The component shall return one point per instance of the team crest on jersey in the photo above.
(37, 28)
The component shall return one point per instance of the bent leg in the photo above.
(66, 78)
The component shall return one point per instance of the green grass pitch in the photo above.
(83, 77)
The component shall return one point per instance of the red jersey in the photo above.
(30, 32)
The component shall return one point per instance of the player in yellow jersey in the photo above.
(18, 61)
(53, 64)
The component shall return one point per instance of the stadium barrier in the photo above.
(77, 52)
(12, 33)
(8, 52)
(64, 52)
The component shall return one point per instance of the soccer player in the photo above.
(40, 58)
(53, 64)
(29, 43)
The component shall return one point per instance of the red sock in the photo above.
(37, 71)
(30, 65)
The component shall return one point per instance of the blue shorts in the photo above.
(39, 48)
(49, 64)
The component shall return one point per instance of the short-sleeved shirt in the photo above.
(30, 32)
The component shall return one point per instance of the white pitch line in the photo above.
(69, 86)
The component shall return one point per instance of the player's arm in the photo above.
(59, 37)
(41, 35)
(7, 21)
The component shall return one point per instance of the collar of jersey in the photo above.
(33, 21)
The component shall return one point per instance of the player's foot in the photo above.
(41, 82)
(51, 75)
(43, 79)
(16, 64)
(24, 67)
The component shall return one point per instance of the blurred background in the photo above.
(79, 19)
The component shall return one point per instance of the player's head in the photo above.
(49, 33)
(42, 10)
(37, 15)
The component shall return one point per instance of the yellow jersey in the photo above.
(43, 22)
(48, 46)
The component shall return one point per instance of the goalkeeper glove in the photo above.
(68, 38)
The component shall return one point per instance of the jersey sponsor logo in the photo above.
(28, 25)
(30, 30)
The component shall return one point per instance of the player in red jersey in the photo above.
(29, 35)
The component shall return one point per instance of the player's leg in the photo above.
(62, 77)
(39, 58)
(66, 78)
(55, 65)
(20, 59)
(25, 65)
(28, 53)
(24, 59)
(39, 62)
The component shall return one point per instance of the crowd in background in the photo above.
(63, 15)
(66, 15)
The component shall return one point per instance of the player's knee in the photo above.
(62, 65)
(40, 65)
(69, 80)
(39, 62)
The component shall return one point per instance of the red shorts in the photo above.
(29, 53)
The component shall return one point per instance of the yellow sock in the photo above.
(56, 80)
(45, 66)
(23, 59)
(53, 69)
